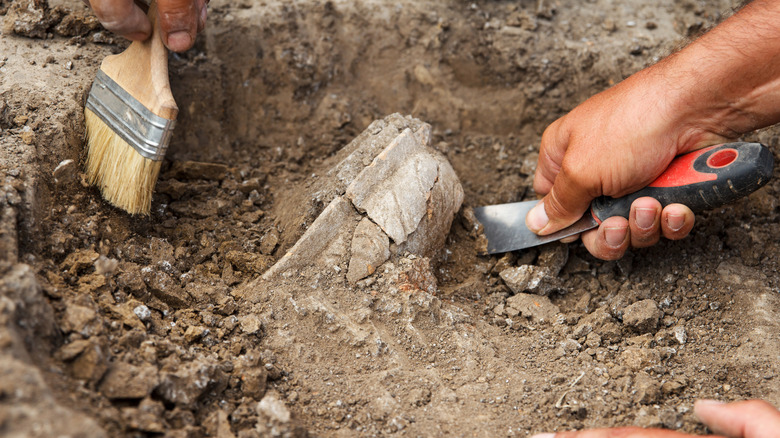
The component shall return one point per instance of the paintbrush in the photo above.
(130, 115)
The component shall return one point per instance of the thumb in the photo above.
(746, 419)
(567, 200)
(178, 23)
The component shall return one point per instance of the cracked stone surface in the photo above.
(395, 188)
(370, 248)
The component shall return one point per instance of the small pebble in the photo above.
(142, 312)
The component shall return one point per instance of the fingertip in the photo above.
(537, 219)
(676, 221)
(610, 240)
(644, 222)
(742, 418)
(178, 41)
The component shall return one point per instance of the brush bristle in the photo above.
(125, 178)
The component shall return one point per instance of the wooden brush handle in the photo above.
(142, 71)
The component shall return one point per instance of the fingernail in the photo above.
(709, 402)
(178, 41)
(675, 221)
(204, 12)
(645, 217)
(615, 236)
(544, 435)
(537, 218)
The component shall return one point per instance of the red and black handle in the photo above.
(702, 179)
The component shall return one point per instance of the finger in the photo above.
(178, 23)
(644, 222)
(676, 221)
(610, 240)
(123, 17)
(551, 152)
(623, 432)
(749, 419)
(570, 239)
(202, 7)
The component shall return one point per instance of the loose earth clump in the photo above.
(173, 324)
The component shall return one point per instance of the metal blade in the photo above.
(505, 230)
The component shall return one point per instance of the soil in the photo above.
(117, 325)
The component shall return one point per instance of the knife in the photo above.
(703, 179)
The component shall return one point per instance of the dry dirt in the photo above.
(112, 325)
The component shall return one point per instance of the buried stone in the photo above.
(392, 194)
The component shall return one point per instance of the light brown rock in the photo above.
(537, 308)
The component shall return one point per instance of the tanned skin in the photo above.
(723, 85)
(180, 20)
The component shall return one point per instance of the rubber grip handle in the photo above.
(702, 179)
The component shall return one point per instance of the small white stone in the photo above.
(142, 312)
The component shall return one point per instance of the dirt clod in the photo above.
(642, 316)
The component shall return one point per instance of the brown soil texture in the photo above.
(112, 325)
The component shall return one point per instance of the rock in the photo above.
(85, 359)
(188, 382)
(391, 177)
(217, 425)
(187, 170)
(593, 340)
(252, 374)
(81, 320)
(147, 417)
(530, 278)
(570, 346)
(70, 351)
(680, 334)
(673, 387)
(507, 261)
(30, 18)
(325, 243)
(65, 172)
(416, 275)
(370, 248)
(601, 322)
(106, 266)
(553, 256)
(250, 323)
(248, 262)
(535, 307)
(637, 358)
(142, 312)
(646, 389)
(131, 279)
(443, 204)
(642, 316)
(125, 381)
(76, 24)
(269, 242)
(165, 288)
(273, 409)
(195, 332)
(79, 260)
(395, 189)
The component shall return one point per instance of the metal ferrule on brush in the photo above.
(145, 131)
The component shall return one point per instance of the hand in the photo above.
(613, 144)
(180, 20)
(620, 140)
(747, 419)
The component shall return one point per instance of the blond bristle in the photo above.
(125, 178)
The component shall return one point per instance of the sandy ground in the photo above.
(132, 326)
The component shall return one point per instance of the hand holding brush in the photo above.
(179, 20)
(130, 116)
